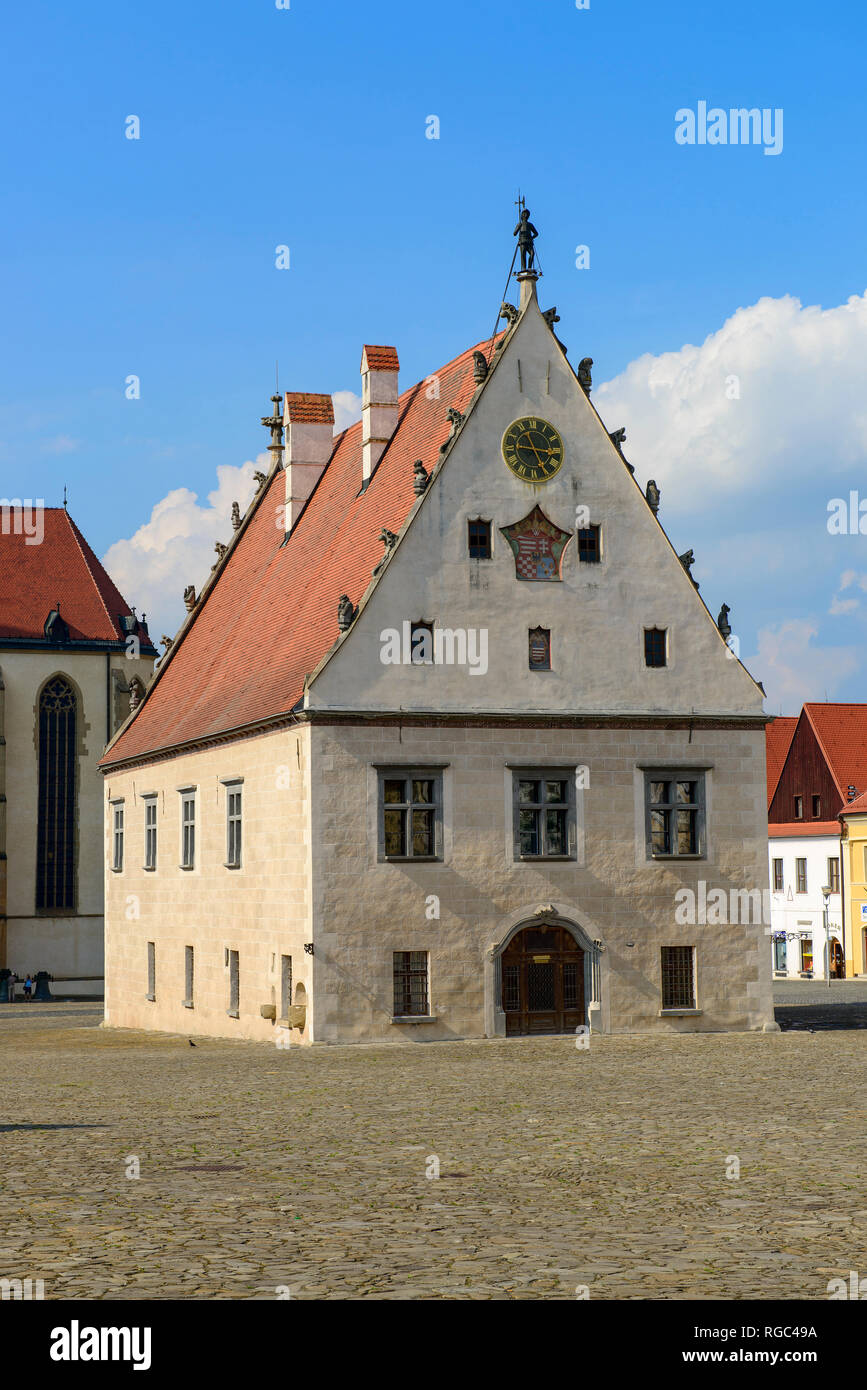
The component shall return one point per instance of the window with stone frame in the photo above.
(678, 977)
(188, 828)
(655, 646)
(675, 813)
(117, 836)
(479, 539)
(410, 813)
(411, 984)
(589, 545)
(233, 825)
(150, 815)
(543, 812)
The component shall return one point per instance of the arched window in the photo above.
(55, 844)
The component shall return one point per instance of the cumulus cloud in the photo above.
(175, 547)
(770, 400)
(793, 669)
(347, 409)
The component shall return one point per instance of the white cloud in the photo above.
(801, 414)
(793, 670)
(176, 546)
(347, 409)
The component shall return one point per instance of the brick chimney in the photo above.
(379, 369)
(309, 426)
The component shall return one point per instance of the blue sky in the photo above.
(306, 127)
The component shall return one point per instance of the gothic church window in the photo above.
(55, 844)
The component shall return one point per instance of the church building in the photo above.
(73, 658)
(444, 739)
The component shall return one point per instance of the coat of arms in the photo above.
(537, 545)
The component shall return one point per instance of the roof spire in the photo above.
(64, 498)
(274, 422)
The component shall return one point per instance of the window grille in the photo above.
(410, 983)
(678, 977)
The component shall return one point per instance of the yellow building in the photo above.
(854, 842)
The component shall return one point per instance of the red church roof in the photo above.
(62, 569)
(271, 616)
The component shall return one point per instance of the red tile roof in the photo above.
(307, 407)
(379, 359)
(841, 732)
(271, 615)
(64, 569)
(859, 805)
(800, 828)
(778, 737)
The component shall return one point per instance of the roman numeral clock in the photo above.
(533, 449)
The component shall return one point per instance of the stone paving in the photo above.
(305, 1170)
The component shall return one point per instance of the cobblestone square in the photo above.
(305, 1170)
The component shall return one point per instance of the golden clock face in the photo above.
(533, 449)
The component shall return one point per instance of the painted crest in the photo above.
(537, 545)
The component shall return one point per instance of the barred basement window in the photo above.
(678, 977)
(285, 985)
(150, 833)
(543, 809)
(410, 814)
(234, 1008)
(778, 875)
(675, 813)
(479, 540)
(55, 837)
(189, 966)
(539, 649)
(655, 646)
(117, 837)
(410, 983)
(233, 827)
(589, 549)
(152, 972)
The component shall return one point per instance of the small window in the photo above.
(421, 650)
(233, 827)
(544, 814)
(678, 977)
(410, 984)
(479, 540)
(188, 830)
(152, 972)
(589, 549)
(234, 1008)
(540, 649)
(410, 802)
(285, 985)
(655, 646)
(778, 875)
(799, 808)
(834, 875)
(780, 954)
(817, 807)
(150, 833)
(189, 957)
(675, 813)
(117, 837)
(801, 875)
(806, 953)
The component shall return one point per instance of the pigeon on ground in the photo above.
(190, 1041)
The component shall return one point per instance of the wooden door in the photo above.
(543, 982)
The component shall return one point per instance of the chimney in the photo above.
(379, 369)
(309, 426)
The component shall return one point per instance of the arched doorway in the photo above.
(837, 968)
(542, 981)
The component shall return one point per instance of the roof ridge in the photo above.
(82, 543)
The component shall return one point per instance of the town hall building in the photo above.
(443, 737)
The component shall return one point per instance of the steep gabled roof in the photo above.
(61, 568)
(841, 732)
(778, 739)
(271, 616)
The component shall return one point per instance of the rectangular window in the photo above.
(410, 814)
(655, 646)
(421, 644)
(817, 807)
(778, 875)
(410, 984)
(150, 809)
(780, 954)
(234, 1008)
(675, 813)
(188, 830)
(799, 808)
(834, 875)
(117, 837)
(806, 953)
(589, 549)
(189, 957)
(543, 802)
(801, 875)
(152, 972)
(479, 540)
(285, 985)
(233, 827)
(540, 649)
(678, 977)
